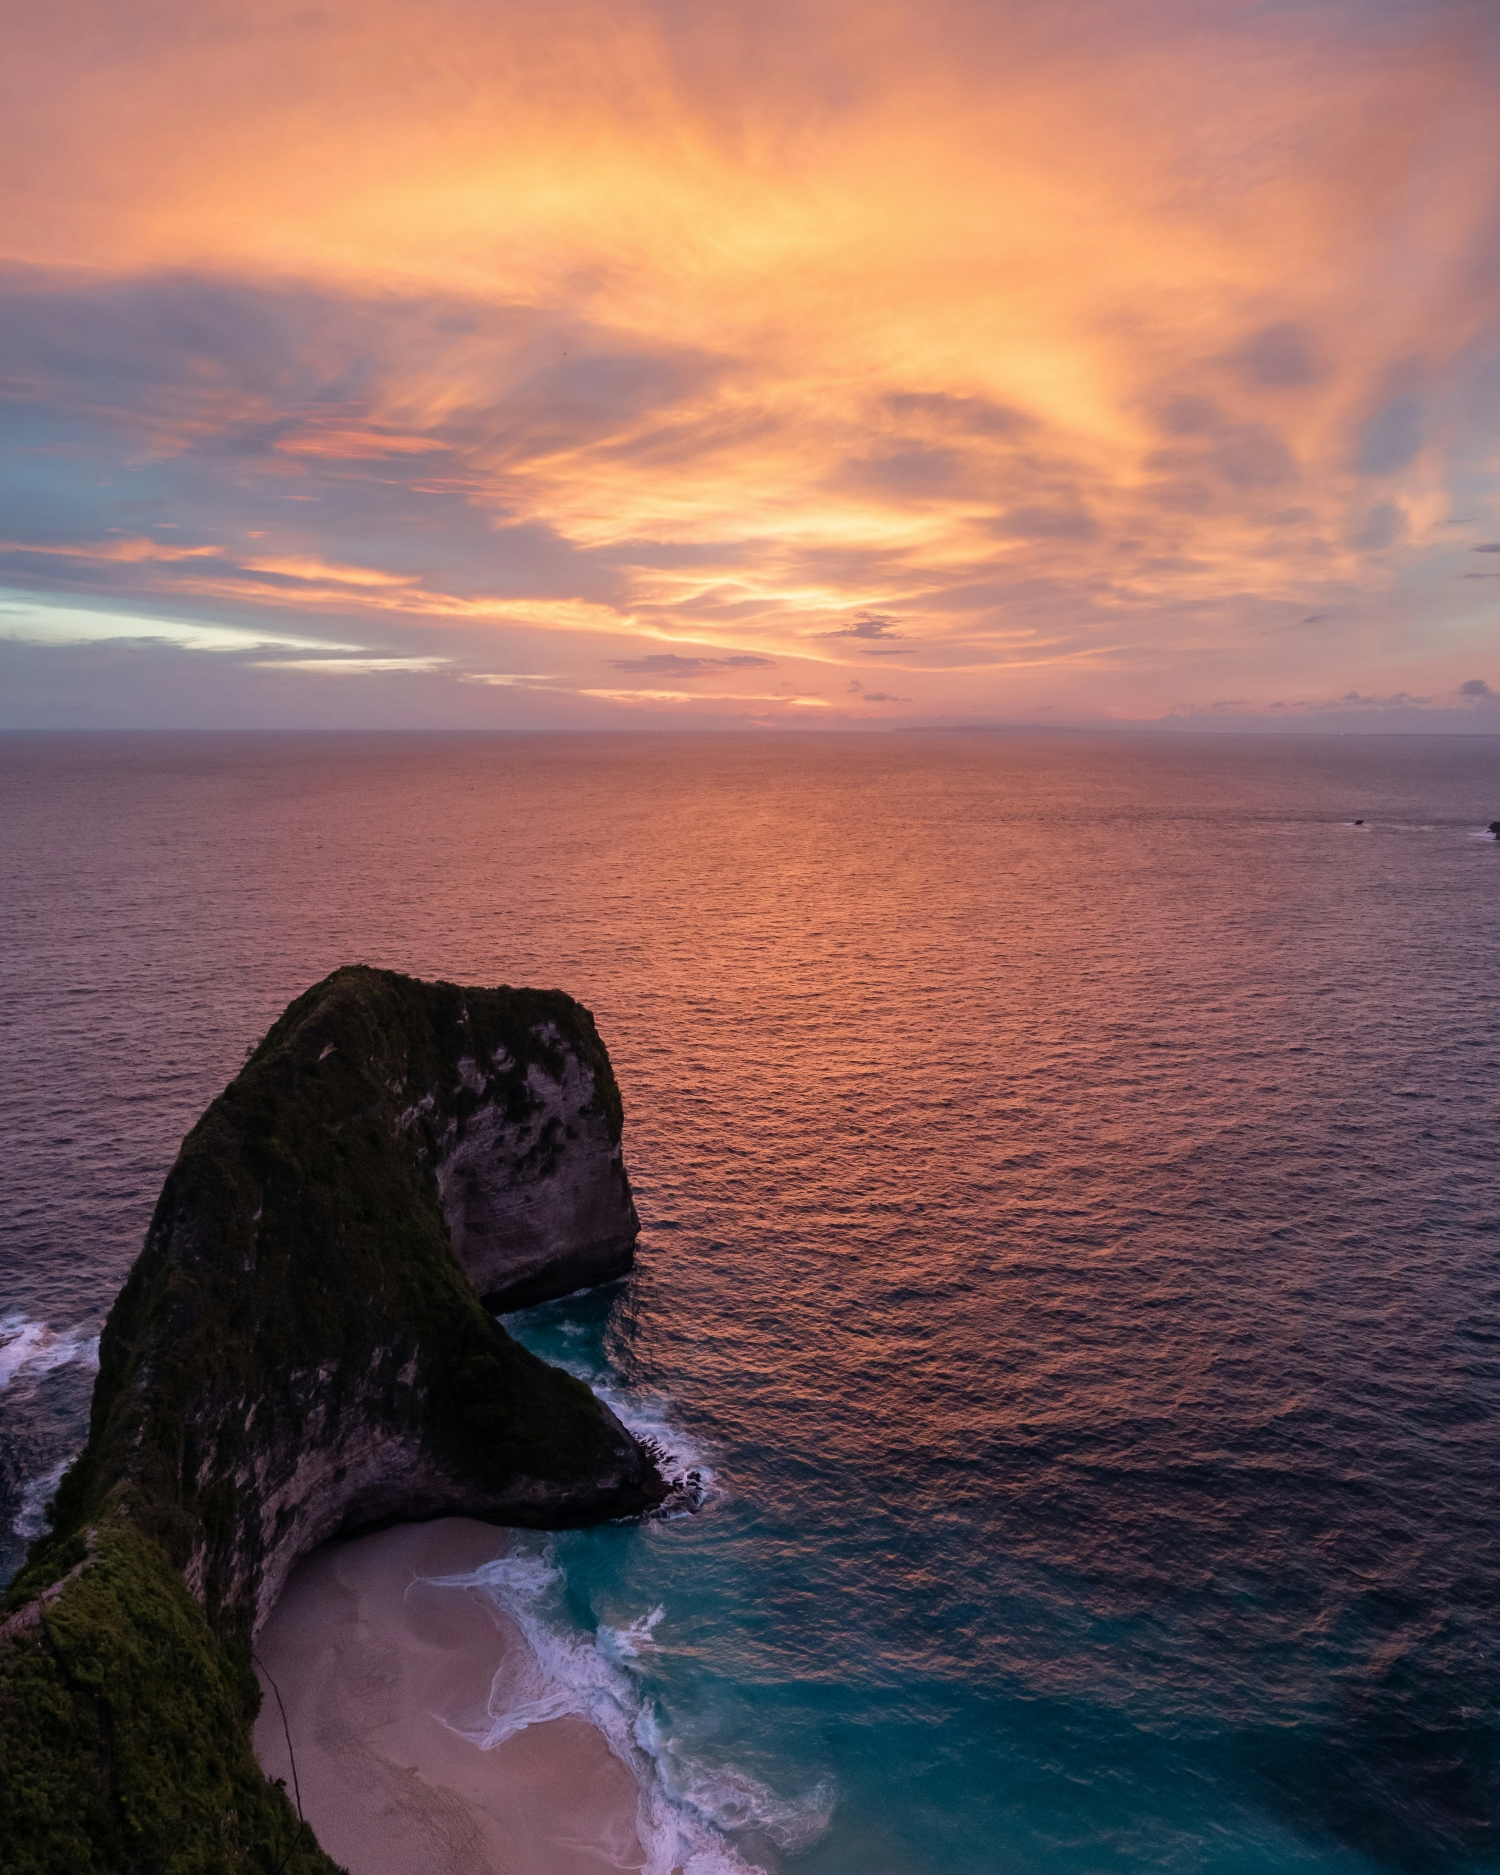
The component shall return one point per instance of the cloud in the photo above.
(1475, 687)
(1381, 527)
(866, 625)
(1212, 446)
(27, 622)
(669, 664)
(1279, 357)
(352, 667)
(966, 416)
(1354, 700)
(856, 688)
(1044, 524)
(1390, 437)
(613, 326)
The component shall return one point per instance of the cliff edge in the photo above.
(304, 1348)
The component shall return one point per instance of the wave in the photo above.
(681, 1459)
(31, 1519)
(33, 1349)
(678, 1457)
(686, 1810)
(1425, 826)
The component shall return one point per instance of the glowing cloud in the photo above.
(1105, 360)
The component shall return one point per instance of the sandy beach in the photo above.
(370, 1663)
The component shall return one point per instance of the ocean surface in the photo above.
(1070, 1172)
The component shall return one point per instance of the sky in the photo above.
(750, 365)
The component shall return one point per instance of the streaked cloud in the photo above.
(1069, 361)
(24, 622)
(351, 666)
(866, 625)
(669, 664)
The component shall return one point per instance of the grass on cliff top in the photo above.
(125, 1735)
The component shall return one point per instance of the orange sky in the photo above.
(605, 364)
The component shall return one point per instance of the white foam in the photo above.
(33, 1349)
(31, 1518)
(630, 1643)
(682, 1461)
(685, 1808)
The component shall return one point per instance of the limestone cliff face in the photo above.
(532, 1178)
(302, 1349)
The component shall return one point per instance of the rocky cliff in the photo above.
(303, 1348)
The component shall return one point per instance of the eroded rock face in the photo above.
(302, 1349)
(299, 1352)
(533, 1181)
(365, 1462)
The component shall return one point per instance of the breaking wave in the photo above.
(682, 1460)
(31, 1519)
(687, 1811)
(31, 1349)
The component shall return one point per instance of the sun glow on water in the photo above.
(1068, 1202)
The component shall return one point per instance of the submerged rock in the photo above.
(303, 1349)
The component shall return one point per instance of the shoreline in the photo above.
(380, 1676)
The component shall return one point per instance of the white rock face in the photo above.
(535, 1191)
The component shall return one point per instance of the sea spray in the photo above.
(702, 1817)
(687, 1811)
(682, 1460)
(31, 1519)
(30, 1349)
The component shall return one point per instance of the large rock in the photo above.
(302, 1350)
(532, 1178)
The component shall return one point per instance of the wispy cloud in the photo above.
(25, 622)
(1087, 361)
(865, 625)
(669, 664)
(352, 666)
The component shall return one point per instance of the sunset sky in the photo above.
(585, 365)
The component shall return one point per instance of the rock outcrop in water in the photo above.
(303, 1349)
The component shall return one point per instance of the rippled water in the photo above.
(1071, 1229)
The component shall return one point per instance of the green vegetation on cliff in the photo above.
(296, 1352)
(125, 1734)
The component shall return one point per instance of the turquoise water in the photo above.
(1068, 1178)
(798, 1707)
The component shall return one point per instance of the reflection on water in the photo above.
(1067, 1168)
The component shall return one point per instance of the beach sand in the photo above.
(364, 1661)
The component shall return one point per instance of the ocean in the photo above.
(1071, 1249)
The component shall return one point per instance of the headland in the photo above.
(306, 1348)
